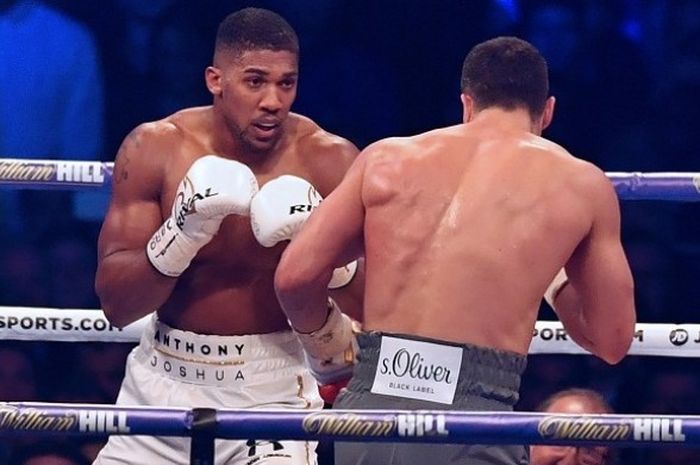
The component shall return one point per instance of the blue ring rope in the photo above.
(30, 418)
(79, 175)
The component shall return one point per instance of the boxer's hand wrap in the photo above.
(331, 350)
(557, 284)
(281, 208)
(212, 188)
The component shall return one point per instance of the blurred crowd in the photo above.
(77, 76)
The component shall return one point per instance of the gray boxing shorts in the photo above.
(401, 372)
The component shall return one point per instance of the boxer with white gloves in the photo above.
(216, 335)
(212, 189)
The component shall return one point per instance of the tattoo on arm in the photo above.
(121, 172)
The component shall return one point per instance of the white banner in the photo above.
(64, 324)
(74, 325)
(672, 340)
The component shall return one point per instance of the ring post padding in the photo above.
(203, 435)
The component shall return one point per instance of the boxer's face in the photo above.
(255, 92)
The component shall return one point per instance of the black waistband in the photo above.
(487, 373)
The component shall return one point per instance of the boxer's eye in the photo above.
(288, 83)
(255, 82)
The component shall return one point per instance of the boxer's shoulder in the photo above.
(150, 141)
(325, 156)
(313, 139)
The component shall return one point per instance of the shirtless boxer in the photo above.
(199, 215)
(572, 401)
(463, 230)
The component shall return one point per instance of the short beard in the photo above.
(245, 145)
(250, 147)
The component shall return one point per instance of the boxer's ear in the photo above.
(467, 107)
(212, 76)
(548, 113)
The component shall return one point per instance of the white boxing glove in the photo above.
(279, 211)
(343, 275)
(212, 188)
(557, 284)
(281, 208)
(331, 351)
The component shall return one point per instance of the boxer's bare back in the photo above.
(465, 227)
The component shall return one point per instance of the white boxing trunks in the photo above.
(174, 368)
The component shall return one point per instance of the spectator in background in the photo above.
(572, 401)
(51, 103)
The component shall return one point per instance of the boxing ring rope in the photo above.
(203, 425)
(425, 426)
(72, 175)
(549, 337)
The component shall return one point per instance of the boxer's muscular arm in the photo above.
(330, 238)
(597, 305)
(332, 169)
(128, 285)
